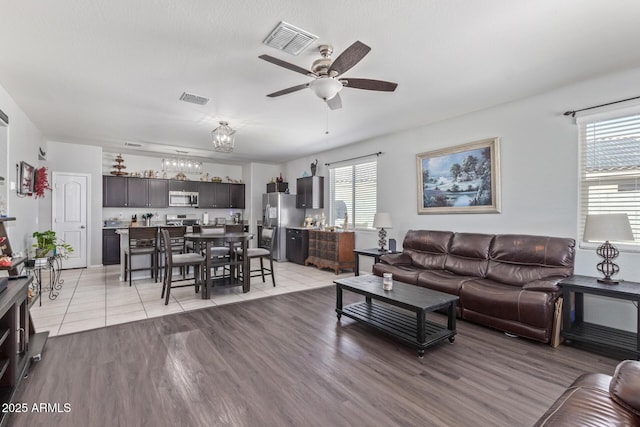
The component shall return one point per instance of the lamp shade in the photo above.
(382, 220)
(604, 227)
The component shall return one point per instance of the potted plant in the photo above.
(46, 243)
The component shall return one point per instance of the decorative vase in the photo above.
(314, 166)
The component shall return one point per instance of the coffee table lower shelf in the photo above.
(398, 325)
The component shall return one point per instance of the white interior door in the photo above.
(70, 215)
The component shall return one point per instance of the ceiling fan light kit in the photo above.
(223, 138)
(325, 88)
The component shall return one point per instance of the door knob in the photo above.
(82, 226)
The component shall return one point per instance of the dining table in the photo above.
(232, 240)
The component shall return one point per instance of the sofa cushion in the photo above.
(469, 254)
(442, 280)
(508, 302)
(625, 385)
(402, 273)
(427, 249)
(517, 259)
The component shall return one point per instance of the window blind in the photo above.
(610, 170)
(354, 192)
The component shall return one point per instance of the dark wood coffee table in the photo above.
(413, 330)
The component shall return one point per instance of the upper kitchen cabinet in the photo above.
(310, 192)
(158, 193)
(190, 186)
(114, 191)
(121, 192)
(236, 196)
(221, 195)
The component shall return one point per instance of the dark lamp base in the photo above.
(608, 281)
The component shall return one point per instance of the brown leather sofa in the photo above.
(599, 400)
(507, 282)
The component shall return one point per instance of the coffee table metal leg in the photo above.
(339, 301)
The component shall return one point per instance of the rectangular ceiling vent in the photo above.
(132, 144)
(289, 38)
(194, 99)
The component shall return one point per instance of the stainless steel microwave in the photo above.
(183, 198)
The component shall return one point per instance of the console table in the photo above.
(591, 333)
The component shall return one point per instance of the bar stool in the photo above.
(142, 241)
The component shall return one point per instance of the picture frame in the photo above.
(26, 179)
(460, 179)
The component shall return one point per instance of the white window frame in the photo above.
(354, 204)
(603, 175)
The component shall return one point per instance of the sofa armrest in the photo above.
(625, 386)
(396, 259)
(545, 285)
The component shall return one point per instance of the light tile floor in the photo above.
(93, 298)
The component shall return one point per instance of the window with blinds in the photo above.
(353, 192)
(610, 170)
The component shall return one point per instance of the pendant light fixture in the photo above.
(223, 138)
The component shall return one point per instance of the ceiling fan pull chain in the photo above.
(326, 132)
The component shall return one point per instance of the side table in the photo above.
(376, 253)
(591, 333)
(52, 266)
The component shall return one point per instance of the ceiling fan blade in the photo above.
(369, 84)
(350, 57)
(288, 90)
(335, 102)
(286, 65)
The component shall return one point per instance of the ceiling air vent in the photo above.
(132, 144)
(194, 99)
(289, 39)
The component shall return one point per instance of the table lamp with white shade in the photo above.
(382, 220)
(603, 228)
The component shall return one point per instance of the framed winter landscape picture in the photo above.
(460, 179)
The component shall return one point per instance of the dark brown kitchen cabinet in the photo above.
(126, 192)
(236, 196)
(310, 192)
(137, 189)
(208, 196)
(190, 186)
(110, 247)
(221, 195)
(158, 193)
(114, 191)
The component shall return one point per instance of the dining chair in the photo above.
(266, 243)
(219, 254)
(142, 241)
(172, 260)
(178, 245)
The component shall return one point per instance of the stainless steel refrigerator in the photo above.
(279, 210)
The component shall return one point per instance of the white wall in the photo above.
(82, 159)
(539, 175)
(23, 139)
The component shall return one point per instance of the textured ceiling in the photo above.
(108, 71)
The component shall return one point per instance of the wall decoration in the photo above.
(25, 179)
(460, 179)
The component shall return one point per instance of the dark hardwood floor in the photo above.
(286, 360)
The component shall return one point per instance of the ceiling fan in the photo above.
(325, 71)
